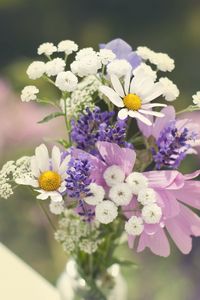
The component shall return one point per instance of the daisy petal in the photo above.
(34, 167)
(137, 115)
(155, 92)
(123, 114)
(151, 105)
(55, 158)
(43, 196)
(42, 157)
(64, 164)
(127, 83)
(112, 95)
(117, 85)
(151, 113)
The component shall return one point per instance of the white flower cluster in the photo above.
(196, 99)
(163, 63)
(11, 172)
(73, 233)
(82, 97)
(121, 192)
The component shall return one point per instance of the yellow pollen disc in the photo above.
(132, 101)
(49, 181)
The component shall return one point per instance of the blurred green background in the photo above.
(171, 26)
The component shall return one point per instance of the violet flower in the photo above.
(93, 126)
(174, 138)
(123, 50)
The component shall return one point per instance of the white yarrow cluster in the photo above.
(29, 93)
(47, 49)
(87, 62)
(146, 196)
(134, 226)
(151, 213)
(106, 212)
(55, 66)
(121, 194)
(67, 46)
(170, 90)
(196, 99)
(113, 175)
(137, 182)
(97, 196)
(162, 60)
(119, 67)
(36, 70)
(56, 208)
(106, 56)
(66, 81)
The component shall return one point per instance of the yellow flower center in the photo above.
(49, 181)
(132, 101)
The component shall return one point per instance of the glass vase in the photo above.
(109, 286)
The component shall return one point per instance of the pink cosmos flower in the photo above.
(174, 192)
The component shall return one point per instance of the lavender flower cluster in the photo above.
(93, 126)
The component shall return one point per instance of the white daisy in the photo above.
(135, 97)
(48, 174)
(56, 208)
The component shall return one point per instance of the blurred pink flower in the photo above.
(19, 125)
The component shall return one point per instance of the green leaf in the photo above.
(51, 116)
(64, 143)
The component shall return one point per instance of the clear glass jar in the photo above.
(112, 286)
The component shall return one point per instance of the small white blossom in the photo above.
(56, 208)
(163, 62)
(196, 99)
(134, 226)
(145, 69)
(55, 66)
(36, 70)
(97, 196)
(146, 196)
(29, 93)
(119, 67)
(113, 175)
(106, 212)
(144, 52)
(66, 81)
(67, 46)
(85, 52)
(5, 190)
(106, 56)
(60, 235)
(121, 194)
(170, 90)
(47, 49)
(87, 65)
(137, 182)
(151, 213)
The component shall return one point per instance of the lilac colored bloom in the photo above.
(123, 50)
(173, 192)
(78, 180)
(93, 126)
(174, 138)
(77, 184)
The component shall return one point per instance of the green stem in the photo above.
(47, 215)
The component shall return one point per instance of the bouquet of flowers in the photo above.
(114, 177)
